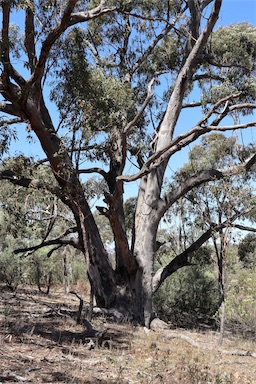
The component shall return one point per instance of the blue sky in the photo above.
(234, 11)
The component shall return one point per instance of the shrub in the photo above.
(188, 297)
(246, 250)
(241, 303)
(10, 269)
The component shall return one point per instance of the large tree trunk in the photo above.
(149, 200)
(71, 193)
(125, 263)
(146, 223)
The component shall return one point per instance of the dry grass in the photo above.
(38, 346)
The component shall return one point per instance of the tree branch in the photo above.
(182, 141)
(200, 178)
(192, 105)
(59, 241)
(204, 76)
(181, 260)
(9, 70)
(53, 218)
(217, 105)
(50, 40)
(10, 121)
(205, 3)
(194, 24)
(29, 183)
(231, 127)
(166, 146)
(209, 59)
(242, 106)
(127, 33)
(30, 37)
(147, 18)
(192, 182)
(94, 170)
(243, 227)
(154, 43)
(139, 114)
(185, 75)
(98, 11)
(72, 241)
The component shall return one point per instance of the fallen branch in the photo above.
(15, 377)
(90, 331)
(189, 340)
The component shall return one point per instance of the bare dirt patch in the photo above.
(40, 342)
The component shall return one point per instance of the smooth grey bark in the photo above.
(147, 213)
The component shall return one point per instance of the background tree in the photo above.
(221, 203)
(246, 250)
(121, 74)
(27, 218)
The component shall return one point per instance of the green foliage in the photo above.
(102, 99)
(91, 100)
(190, 296)
(78, 271)
(25, 217)
(241, 303)
(214, 151)
(94, 187)
(220, 199)
(12, 218)
(247, 250)
(115, 29)
(11, 271)
(129, 210)
(235, 45)
(19, 165)
(105, 231)
(233, 49)
(110, 103)
(44, 270)
(15, 41)
(164, 57)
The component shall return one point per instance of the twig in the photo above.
(78, 319)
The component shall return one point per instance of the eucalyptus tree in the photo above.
(121, 74)
(223, 203)
(25, 218)
(246, 251)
